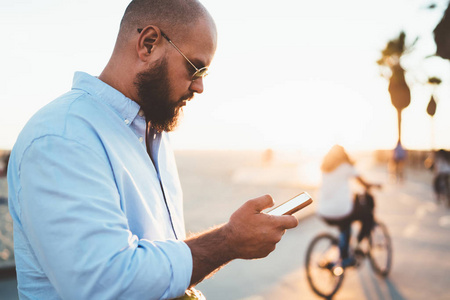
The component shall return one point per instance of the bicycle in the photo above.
(323, 260)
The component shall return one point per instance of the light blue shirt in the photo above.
(90, 218)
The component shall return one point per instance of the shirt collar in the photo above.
(125, 107)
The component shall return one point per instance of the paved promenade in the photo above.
(420, 230)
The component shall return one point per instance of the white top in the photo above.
(335, 197)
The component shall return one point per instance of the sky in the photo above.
(286, 74)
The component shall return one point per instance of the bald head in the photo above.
(146, 51)
(174, 16)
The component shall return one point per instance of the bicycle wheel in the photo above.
(380, 252)
(321, 259)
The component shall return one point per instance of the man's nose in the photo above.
(197, 86)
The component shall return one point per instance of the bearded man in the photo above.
(94, 190)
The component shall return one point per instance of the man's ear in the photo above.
(149, 37)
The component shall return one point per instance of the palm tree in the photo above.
(442, 35)
(392, 70)
(432, 105)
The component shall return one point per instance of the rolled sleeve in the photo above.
(71, 212)
(180, 257)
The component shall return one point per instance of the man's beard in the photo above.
(154, 97)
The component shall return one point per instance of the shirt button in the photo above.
(141, 113)
(127, 121)
(141, 139)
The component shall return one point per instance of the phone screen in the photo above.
(291, 206)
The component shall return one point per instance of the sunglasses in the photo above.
(199, 73)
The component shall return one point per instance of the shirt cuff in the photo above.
(180, 257)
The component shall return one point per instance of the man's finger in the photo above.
(261, 203)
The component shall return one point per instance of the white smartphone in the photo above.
(291, 206)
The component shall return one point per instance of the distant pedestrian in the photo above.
(397, 163)
(267, 157)
(440, 165)
(3, 188)
(4, 165)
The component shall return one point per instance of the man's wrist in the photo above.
(210, 251)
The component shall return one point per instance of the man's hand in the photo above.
(248, 234)
(252, 234)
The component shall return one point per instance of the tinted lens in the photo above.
(200, 73)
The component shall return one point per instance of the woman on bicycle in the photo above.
(336, 204)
